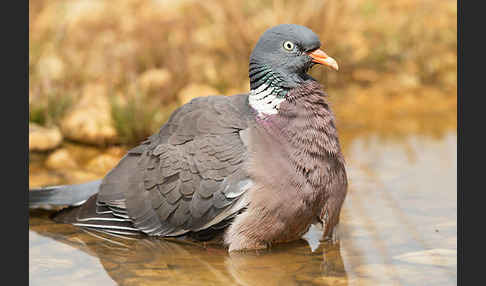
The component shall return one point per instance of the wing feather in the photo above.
(189, 176)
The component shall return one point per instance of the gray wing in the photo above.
(188, 177)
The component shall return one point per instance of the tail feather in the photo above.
(91, 215)
(83, 208)
(67, 195)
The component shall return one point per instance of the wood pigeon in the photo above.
(256, 168)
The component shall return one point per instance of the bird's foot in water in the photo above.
(333, 236)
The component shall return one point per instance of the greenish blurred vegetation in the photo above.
(396, 58)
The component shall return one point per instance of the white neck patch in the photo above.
(264, 101)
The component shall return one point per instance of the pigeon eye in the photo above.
(288, 45)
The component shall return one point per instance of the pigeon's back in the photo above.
(188, 177)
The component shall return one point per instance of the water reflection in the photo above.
(398, 227)
(153, 261)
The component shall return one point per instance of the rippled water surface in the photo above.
(398, 227)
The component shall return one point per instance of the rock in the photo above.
(78, 177)
(154, 79)
(82, 153)
(60, 160)
(195, 90)
(90, 121)
(437, 257)
(42, 138)
(102, 164)
(44, 178)
(116, 151)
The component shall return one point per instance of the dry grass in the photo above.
(388, 48)
(136, 118)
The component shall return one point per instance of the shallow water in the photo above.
(398, 227)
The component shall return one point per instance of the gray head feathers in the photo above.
(279, 57)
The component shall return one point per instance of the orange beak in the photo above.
(318, 56)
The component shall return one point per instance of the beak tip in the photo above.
(332, 63)
(320, 57)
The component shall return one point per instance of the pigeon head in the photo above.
(282, 57)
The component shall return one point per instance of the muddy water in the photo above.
(398, 227)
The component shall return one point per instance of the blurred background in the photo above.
(104, 75)
(109, 74)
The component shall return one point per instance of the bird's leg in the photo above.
(333, 236)
(330, 228)
(244, 234)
